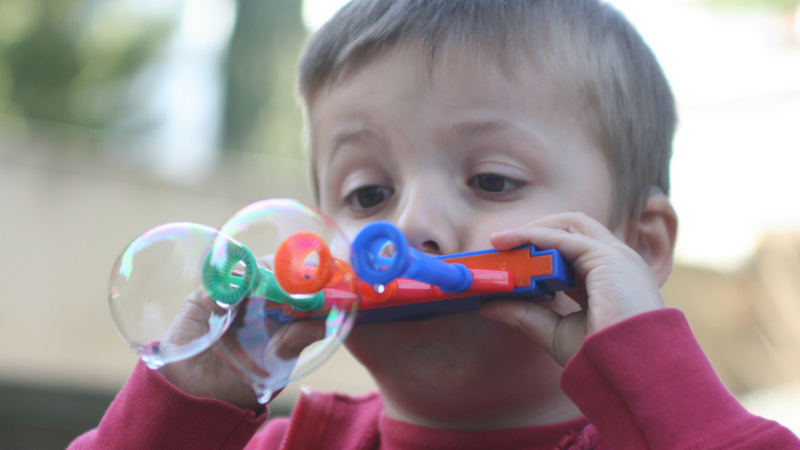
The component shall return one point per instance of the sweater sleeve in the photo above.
(151, 413)
(646, 383)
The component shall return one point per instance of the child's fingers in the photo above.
(579, 294)
(560, 336)
(297, 336)
(560, 225)
(618, 282)
(570, 233)
(579, 238)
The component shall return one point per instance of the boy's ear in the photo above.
(653, 235)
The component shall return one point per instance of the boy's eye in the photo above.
(494, 183)
(490, 182)
(367, 197)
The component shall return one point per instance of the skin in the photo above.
(467, 157)
(453, 156)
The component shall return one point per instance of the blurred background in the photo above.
(120, 115)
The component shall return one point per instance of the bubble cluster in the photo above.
(271, 292)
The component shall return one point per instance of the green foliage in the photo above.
(782, 6)
(70, 61)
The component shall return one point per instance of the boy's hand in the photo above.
(204, 375)
(613, 283)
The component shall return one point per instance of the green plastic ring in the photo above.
(218, 279)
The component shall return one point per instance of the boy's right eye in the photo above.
(367, 197)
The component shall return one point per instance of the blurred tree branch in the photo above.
(261, 115)
(72, 62)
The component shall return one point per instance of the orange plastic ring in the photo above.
(292, 275)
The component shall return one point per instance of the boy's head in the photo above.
(458, 119)
(583, 47)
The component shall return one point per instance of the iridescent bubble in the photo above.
(156, 294)
(306, 304)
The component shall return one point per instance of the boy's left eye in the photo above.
(493, 183)
(367, 197)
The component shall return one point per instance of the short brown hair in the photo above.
(585, 43)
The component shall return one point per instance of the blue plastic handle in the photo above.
(374, 268)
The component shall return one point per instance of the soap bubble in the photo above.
(156, 297)
(298, 319)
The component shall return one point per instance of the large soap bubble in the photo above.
(281, 334)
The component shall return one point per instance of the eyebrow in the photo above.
(474, 128)
(347, 137)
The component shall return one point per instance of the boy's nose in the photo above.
(425, 217)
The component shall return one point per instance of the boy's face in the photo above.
(451, 156)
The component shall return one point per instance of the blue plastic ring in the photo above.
(366, 259)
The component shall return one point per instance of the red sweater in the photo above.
(643, 383)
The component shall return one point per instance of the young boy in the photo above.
(475, 124)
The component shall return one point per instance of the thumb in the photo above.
(558, 335)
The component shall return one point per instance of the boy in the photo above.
(475, 124)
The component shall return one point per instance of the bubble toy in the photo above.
(275, 291)
(399, 282)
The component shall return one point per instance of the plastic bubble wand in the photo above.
(405, 283)
(182, 288)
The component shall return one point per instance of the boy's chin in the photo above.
(377, 345)
(451, 364)
(461, 350)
